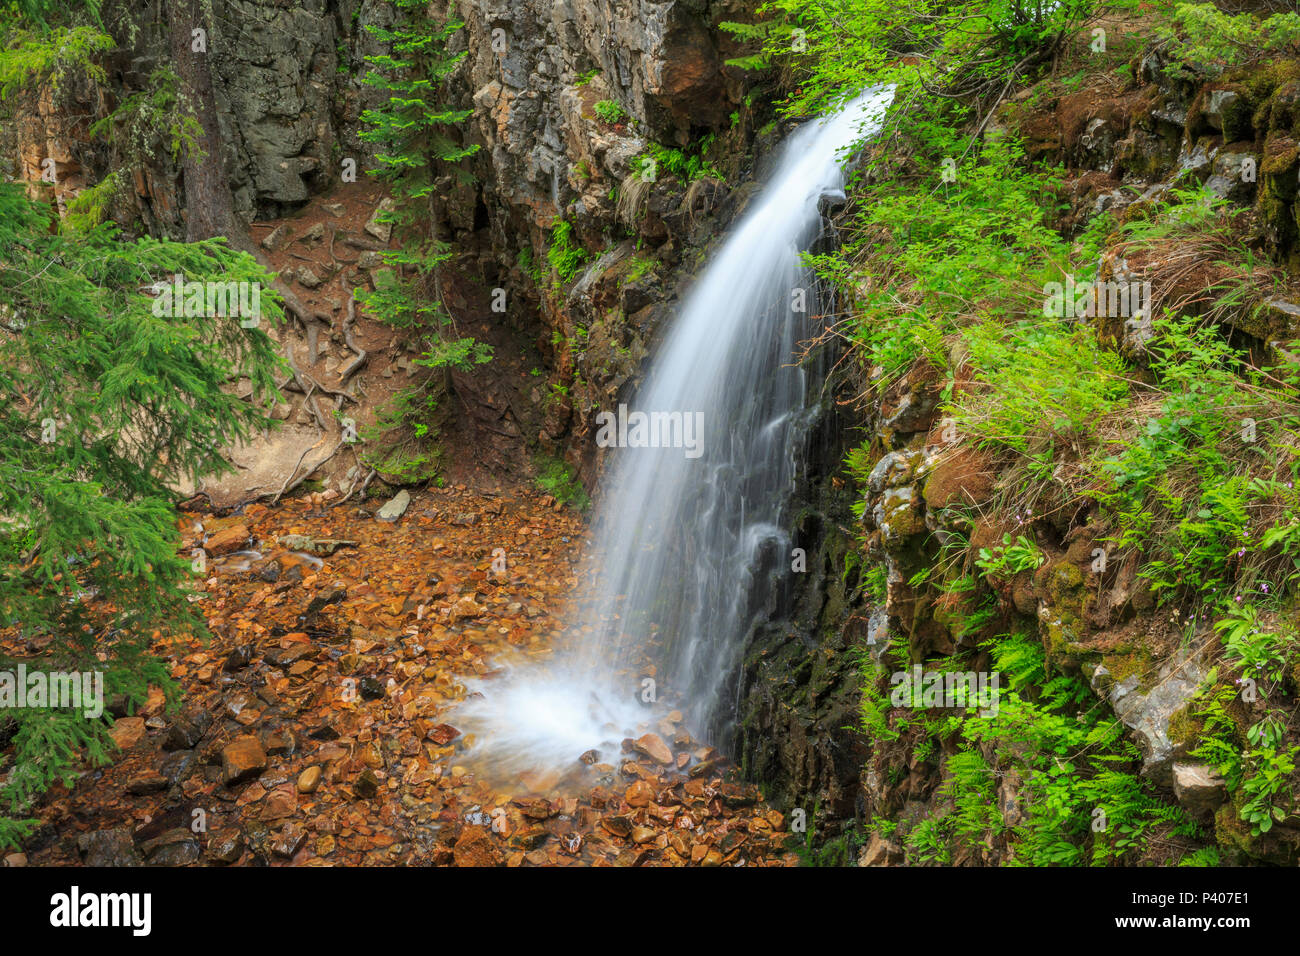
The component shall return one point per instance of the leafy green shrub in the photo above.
(1042, 385)
(686, 166)
(844, 46)
(1080, 799)
(610, 111)
(1179, 488)
(915, 255)
(1202, 33)
(564, 253)
(1258, 653)
(1009, 558)
(1266, 775)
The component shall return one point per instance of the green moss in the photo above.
(556, 478)
(1231, 832)
(1136, 663)
(1280, 163)
(1184, 726)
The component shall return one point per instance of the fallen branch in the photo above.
(287, 487)
(364, 485)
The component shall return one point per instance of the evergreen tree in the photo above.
(109, 397)
(411, 131)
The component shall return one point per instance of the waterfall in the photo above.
(691, 534)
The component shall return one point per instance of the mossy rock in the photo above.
(1281, 158)
(1136, 664)
(965, 476)
(898, 517)
(1226, 108)
(1231, 832)
(1063, 583)
(1280, 846)
(1184, 726)
(1259, 82)
(1064, 614)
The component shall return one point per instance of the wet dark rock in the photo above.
(187, 730)
(176, 847)
(705, 767)
(145, 783)
(226, 846)
(239, 658)
(286, 656)
(530, 838)
(242, 759)
(367, 785)
(371, 688)
(736, 798)
(280, 743)
(289, 841)
(258, 838)
(108, 848)
(324, 599)
(177, 766)
(620, 826)
(323, 732)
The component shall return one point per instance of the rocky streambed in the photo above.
(318, 725)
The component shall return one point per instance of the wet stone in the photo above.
(367, 785)
(108, 848)
(145, 783)
(187, 730)
(289, 841)
(242, 759)
(177, 766)
(226, 846)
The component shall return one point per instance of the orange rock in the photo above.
(227, 540)
(639, 794)
(653, 746)
(127, 731)
(475, 847)
(242, 759)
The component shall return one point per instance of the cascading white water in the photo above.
(689, 538)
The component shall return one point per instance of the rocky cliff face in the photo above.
(287, 87)
(287, 79)
(1161, 131)
(534, 75)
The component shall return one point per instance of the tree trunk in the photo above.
(209, 205)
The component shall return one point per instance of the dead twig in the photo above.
(288, 487)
